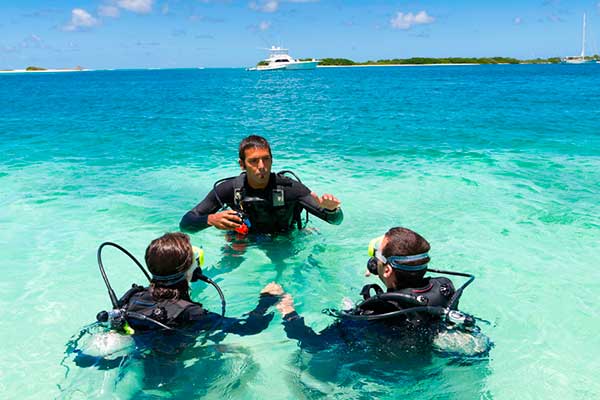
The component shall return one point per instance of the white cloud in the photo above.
(406, 21)
(136, 6)
(264, 25)
(109, 11)
(517, 21)
(271, 6)
(266, 6)
(80, 20)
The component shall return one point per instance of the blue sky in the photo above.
(230, 33)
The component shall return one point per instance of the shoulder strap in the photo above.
(238, 188)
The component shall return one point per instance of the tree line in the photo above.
(448, 60)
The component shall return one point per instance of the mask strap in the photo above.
(415, 257)
(169, 280)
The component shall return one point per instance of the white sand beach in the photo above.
(18, 71)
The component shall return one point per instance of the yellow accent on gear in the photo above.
(198, 255)
(128, 329)
(374, 245)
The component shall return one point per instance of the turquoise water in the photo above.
(498, 166)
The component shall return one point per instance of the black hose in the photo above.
(111, 292)
(142, 317)
(215, 189)
(433, 310)
(206, 279)
(454, 299)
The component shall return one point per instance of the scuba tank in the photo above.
(449, 314)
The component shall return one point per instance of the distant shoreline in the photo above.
(396, 65)
(19, 71)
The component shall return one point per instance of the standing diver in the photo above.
(259, 201)
(413, 308)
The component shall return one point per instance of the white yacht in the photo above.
(279, 59)
(580, 59)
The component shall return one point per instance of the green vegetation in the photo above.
(32, 68)
(449, 60)
(337, 61)
(261, 63)
(551, 60)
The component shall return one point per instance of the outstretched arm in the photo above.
(295, 328)
(257, 320)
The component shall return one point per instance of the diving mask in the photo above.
(398, 262)
(198, 256)
(198, 263)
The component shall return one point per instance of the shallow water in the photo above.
(497, 166)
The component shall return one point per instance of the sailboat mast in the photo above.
(583, 40)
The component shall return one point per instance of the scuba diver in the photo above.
(166, 306)
(414, 308)
(260, 201)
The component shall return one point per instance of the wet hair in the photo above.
(253, 141)
(167, 255)
(404, 242)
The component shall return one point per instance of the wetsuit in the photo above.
(269, 212)
(187, 317)
(185, 313)
(416, 330)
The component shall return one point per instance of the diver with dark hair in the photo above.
(259, 201)
(166, 306)
(413, 307)
(172, 262)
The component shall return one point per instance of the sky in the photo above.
(230, 33)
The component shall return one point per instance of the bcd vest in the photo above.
(164, 311)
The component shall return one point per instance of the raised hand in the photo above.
(286, 305)
(273, 289)
(327, 201)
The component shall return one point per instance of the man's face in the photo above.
(257, 165)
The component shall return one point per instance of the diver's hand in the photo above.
(226, 220)
(327, 201)
(273, 289)
(286, 305)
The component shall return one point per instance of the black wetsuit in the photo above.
(189, 319)
(266, 216)
(415, 330)
(187, 314)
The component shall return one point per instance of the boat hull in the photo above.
(302, 65)
(578, 61)
(267, 68)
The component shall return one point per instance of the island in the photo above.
(344, 62)
(33, 68)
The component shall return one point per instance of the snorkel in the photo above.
(117, 318)
(448, 314)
